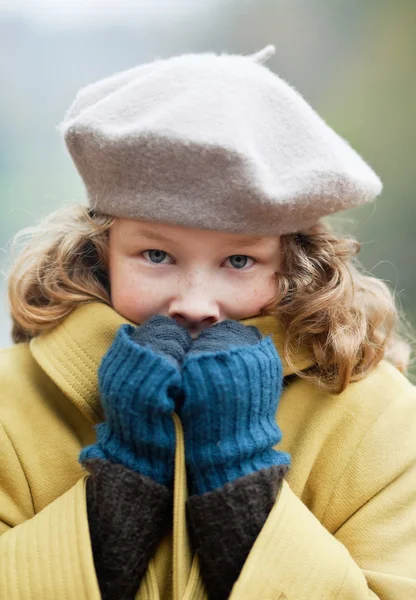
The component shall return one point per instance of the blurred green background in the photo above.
(354, 61)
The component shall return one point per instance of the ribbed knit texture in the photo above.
(137, 390)
(229, 413)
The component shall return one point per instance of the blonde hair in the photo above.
(347, 319)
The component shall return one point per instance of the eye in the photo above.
(156, 256)
(239, 261)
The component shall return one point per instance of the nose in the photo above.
(195, 312)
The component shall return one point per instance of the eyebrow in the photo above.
(241, 241)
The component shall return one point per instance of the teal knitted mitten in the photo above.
(139, 380)
(232, 380)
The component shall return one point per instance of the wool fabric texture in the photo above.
(229, 411)
(127, 516)
(137, 388)
(226, 522)
(214, 142)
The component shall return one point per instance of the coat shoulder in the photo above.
(329, 435)
(385, 382)
(18, 369)
(19, 374)
(45, 429)
(28, 396)
(382, 460)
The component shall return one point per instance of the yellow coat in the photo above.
(343, 526)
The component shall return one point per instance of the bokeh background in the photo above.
(353, 60)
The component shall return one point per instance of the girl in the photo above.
(206, 398)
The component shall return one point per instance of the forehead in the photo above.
(132, 229)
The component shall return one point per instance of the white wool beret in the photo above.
(213, 142)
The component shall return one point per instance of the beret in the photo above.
(212, 141)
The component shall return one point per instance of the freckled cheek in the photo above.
(250, 302)
(255, 296)
(234, 300)
(136, 297)
(125, 289)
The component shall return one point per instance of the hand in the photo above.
(139, 381)
(232, 381)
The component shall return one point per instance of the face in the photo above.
(196, 276)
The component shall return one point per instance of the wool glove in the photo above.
(139, 380)
(232, 380)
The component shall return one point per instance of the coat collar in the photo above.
(71, 352)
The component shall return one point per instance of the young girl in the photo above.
(206, 398)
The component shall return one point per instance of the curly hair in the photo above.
(325, 301)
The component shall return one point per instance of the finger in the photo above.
(224, 335)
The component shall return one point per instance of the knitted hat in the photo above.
(213, 142)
